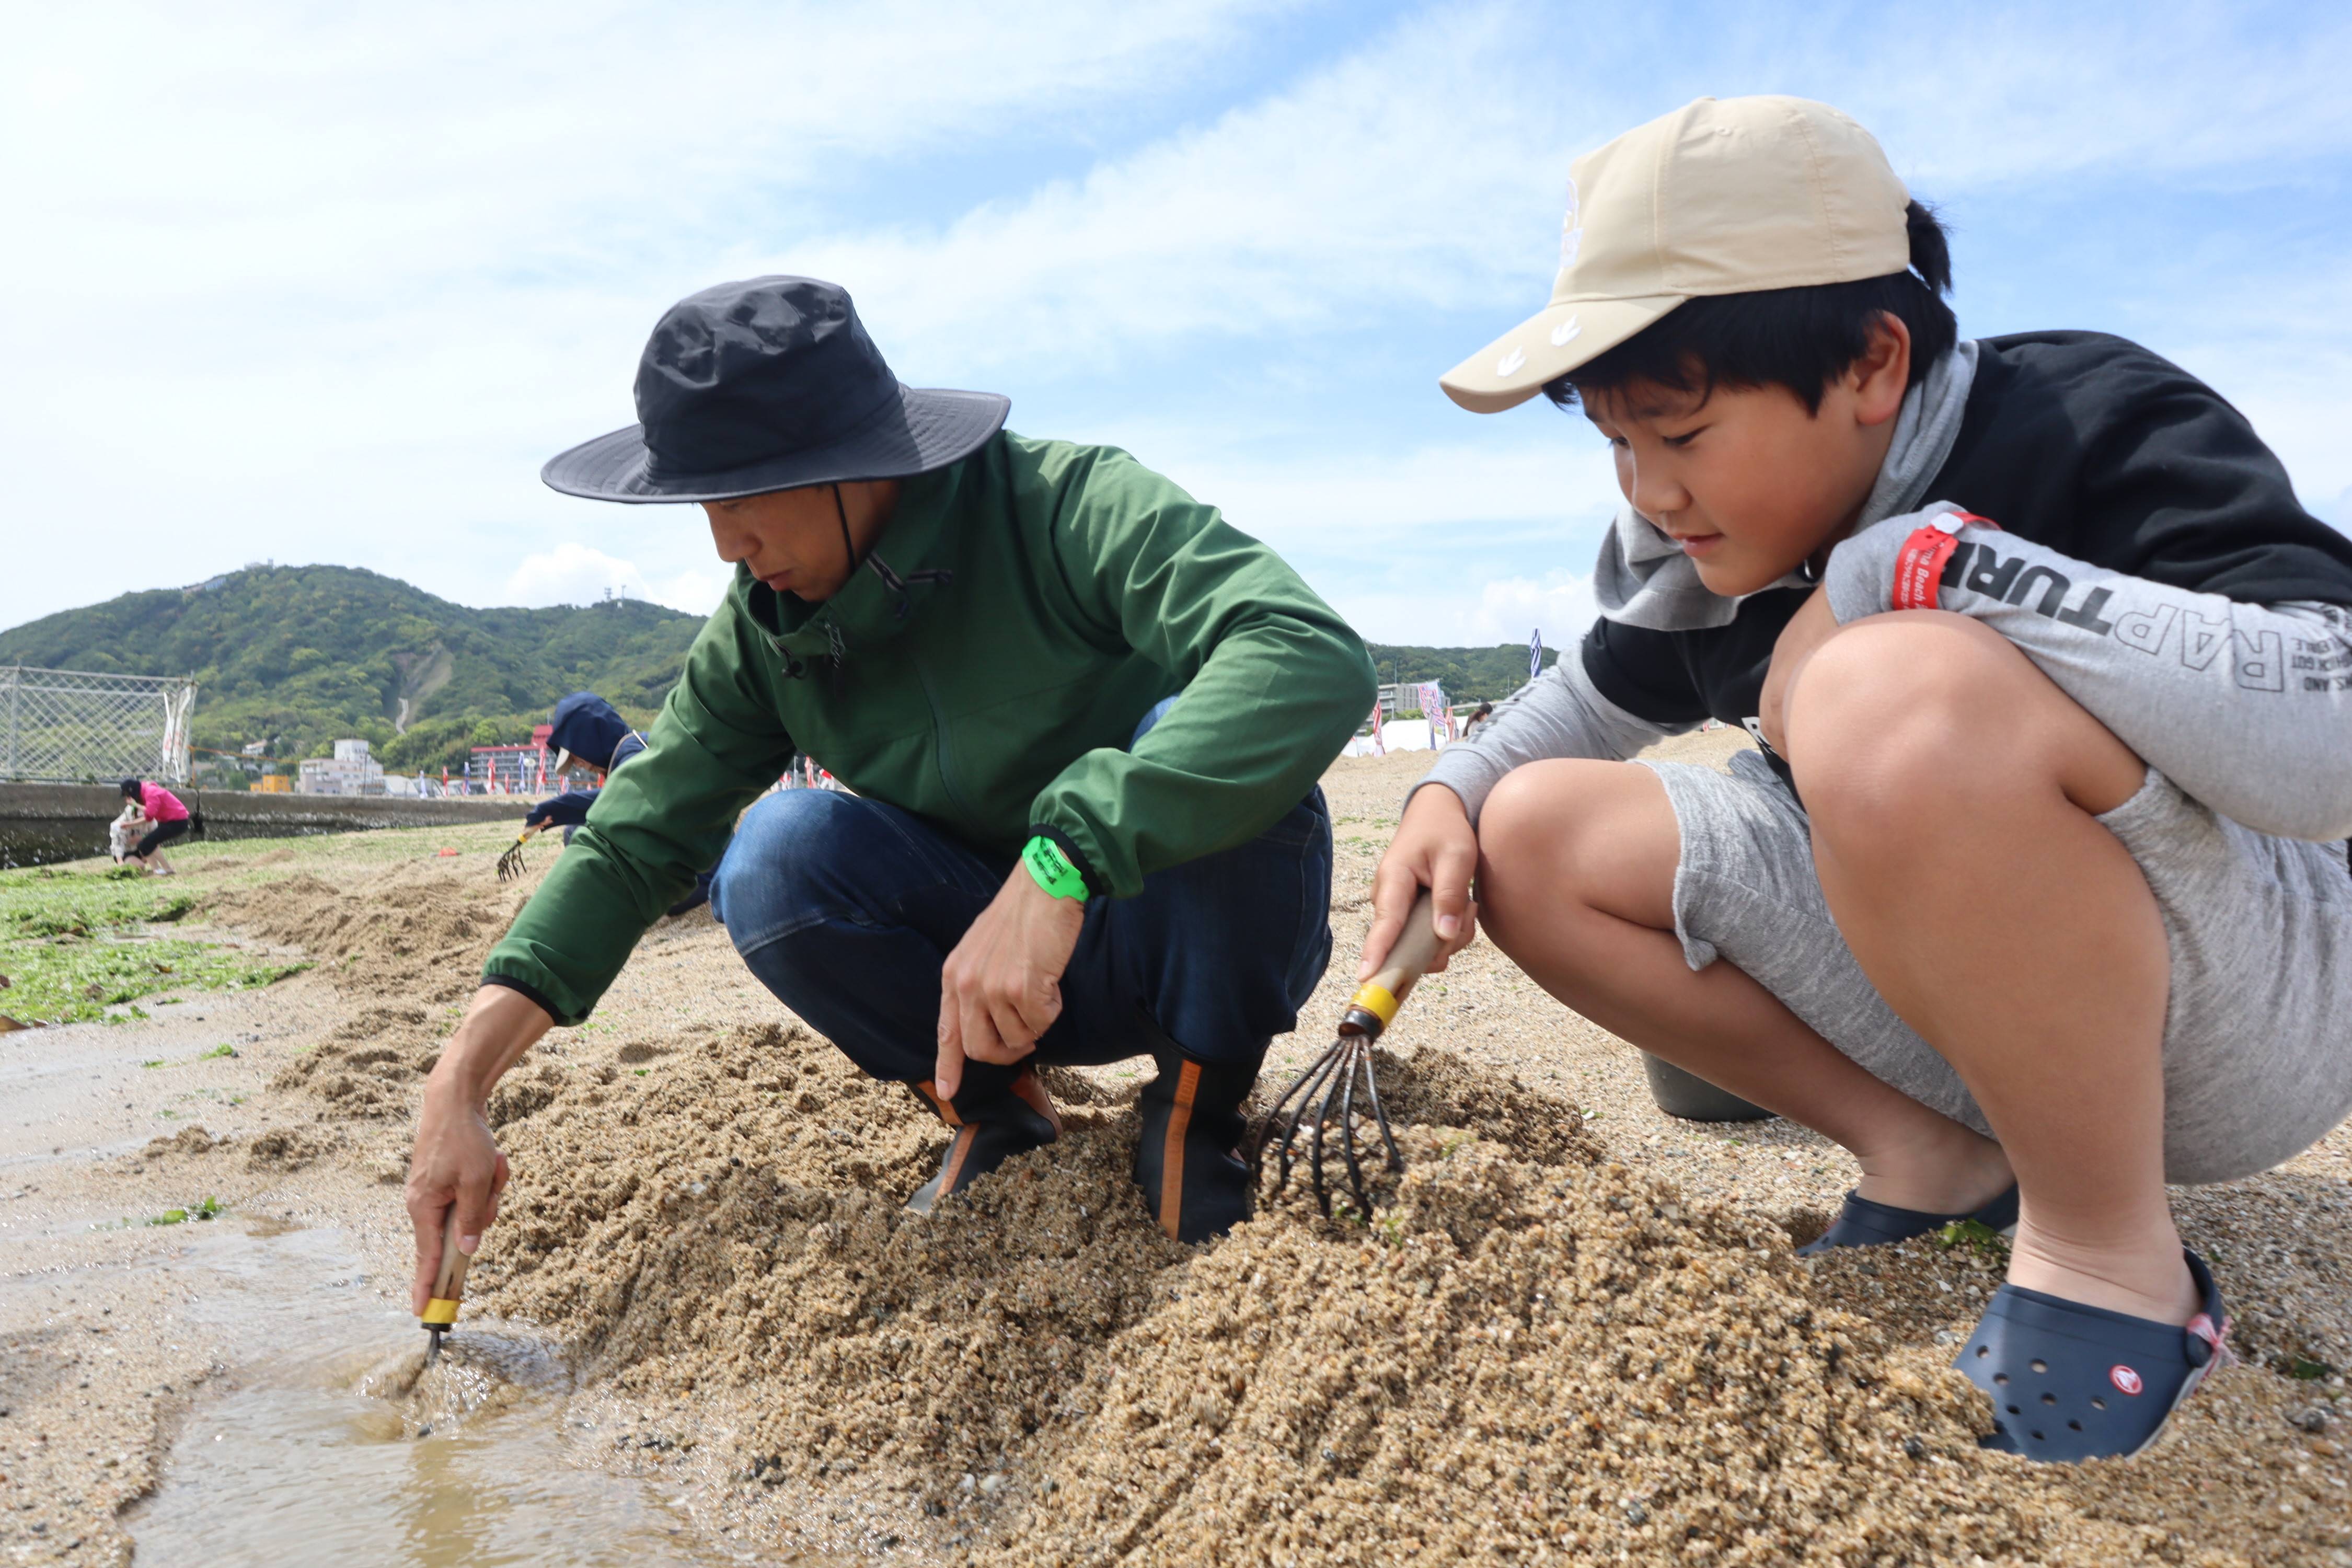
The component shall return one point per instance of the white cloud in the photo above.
(1426, 168)
(576, 573)
(2042, 96)
(289, 271)
(1560, 606)
(2280, 347)
(318, 148)
(1539, 472)
(1475, 615)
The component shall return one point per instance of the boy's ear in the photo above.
(1883, 373)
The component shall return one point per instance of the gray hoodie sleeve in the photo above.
(2248, 708)
(1560, 713)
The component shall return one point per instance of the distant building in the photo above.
(512, 770)
(254, 749)
(351, 771)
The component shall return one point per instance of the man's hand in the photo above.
(1001, 986)
(454, 1178)
(1435, 847)
(457, 1174)
(1807, 630)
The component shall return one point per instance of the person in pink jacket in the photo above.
(163, 808)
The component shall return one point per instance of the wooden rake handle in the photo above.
(1408, 960)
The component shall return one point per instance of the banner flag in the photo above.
(1534, 653)
(1433, 709)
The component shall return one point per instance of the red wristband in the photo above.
(1920, 567)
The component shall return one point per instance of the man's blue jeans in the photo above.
(846, 909)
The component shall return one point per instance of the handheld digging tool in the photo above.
(448, 1286)
(1328, 1090)
(511, 864)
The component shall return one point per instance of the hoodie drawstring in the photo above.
(836, 645)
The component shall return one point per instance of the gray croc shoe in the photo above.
(1862, 1223)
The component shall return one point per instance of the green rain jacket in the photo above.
(1034, 601)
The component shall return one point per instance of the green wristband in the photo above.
(1053, 868)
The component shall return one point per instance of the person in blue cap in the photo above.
(589, 731)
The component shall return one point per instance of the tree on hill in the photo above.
(300, 655)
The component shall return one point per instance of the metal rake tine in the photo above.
(1323, 1119)
(1273, 1112)
(1309, 1081)
(1357, 1059)
(1273, 1117)
(511, 864)
(1379, 1113)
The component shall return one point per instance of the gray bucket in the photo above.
(1692, 1098)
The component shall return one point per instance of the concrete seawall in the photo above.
(42, 822)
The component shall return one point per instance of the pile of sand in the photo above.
(414, 932)
(1535, 1354)
(407, 944)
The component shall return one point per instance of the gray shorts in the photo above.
(2258, 1033)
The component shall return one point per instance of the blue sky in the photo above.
(311, 283)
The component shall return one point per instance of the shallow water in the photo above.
(335, 1445)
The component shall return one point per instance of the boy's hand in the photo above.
(1807, 630)
(1435, 847)
(1001, 986)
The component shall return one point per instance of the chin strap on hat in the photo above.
(898, 584)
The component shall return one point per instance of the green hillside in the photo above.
(300, 656)
(1468, 674)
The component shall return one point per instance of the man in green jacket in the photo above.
(1083, 717)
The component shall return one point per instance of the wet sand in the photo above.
(1579, 1333)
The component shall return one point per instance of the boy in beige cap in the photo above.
(2036, 895)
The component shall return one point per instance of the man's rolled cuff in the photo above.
(535, 995)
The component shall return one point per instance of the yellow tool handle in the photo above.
(449, 1284)
(1409, 959)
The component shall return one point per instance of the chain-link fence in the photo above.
(76, 725)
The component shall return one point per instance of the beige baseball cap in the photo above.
(1722, 196)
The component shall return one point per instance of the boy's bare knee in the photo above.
(1900, 717)
(1880, 699)
(1526, 813)
(1594, 834)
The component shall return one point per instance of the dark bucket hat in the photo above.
(771, 384)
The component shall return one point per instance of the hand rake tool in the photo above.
(511, 864)
(1328, 1090)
